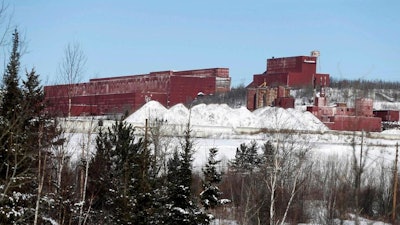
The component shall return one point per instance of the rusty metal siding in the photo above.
(364, 107)
(185, 88)
(298, 71)
(284, 102)
(283, 65)
(388, 115)
(251, 98)
(128, 93)
(356, 123)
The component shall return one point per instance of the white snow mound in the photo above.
(221, 115)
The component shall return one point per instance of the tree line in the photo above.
(364, 84)
(236, 97)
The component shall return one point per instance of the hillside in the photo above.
(386, 95)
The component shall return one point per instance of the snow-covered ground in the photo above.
(226, 128)
(221, 115)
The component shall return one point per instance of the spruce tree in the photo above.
(246, 158)
(15, 160)
(12, 97)
(35, 121)
(33, 95)
(10, 110)
(181, 203)
(210, 196)
(25, 134)
(101, 180)
(122, 166)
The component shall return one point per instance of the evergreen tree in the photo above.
(210, 196)
(35, 121)
(181, 204)
(25, 134)
(122, 165)
(12, 97)
(33, 95)
(15, 159)
(246, 158)
(269, 154)
(101, 180)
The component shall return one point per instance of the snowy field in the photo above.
(226, 128)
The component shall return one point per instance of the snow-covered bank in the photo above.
(221, 115)
(225, 128)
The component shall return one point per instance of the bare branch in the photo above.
(71, 68)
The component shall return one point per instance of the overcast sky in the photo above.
(357, 39)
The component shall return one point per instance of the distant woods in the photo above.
(236, 97)
(376, 89)
(364, 84)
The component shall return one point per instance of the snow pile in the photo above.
(279, 118)
(151, 110)
(221, 115)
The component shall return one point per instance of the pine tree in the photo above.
(33, 95)
(246, 158)
(122, 166)
(25, 134)
(10, 121)
(15, 160)
(181, 204)
(268, 154)
(210, 196)
(12, 98)
(101, 180)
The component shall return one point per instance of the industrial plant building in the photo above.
(296, 71)
(271, 88)
(126, 94)
(342, 117)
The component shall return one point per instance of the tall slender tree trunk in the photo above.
(85, 180)
(41, 175)
(272, 196)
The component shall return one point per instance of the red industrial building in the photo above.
(282, 74)
(297, 71)
(128, 93)
(388, 115)
(264, 95)
(272, 88)
(341, 117)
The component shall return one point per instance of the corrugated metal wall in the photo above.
(128, 93)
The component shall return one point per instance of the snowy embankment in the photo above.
(220, 120)
(220, 126)
(226, 128)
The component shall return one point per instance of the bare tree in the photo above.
(358, 166)
(285, 169)
(40, 175)
(71, 69)
(160, 137)
(5, 23)
(85, 159)
(285, 164)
